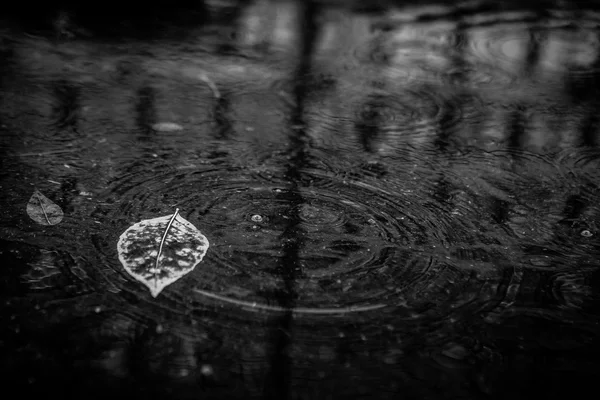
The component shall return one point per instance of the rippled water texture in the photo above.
(400, 201)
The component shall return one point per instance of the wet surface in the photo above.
(400, 201)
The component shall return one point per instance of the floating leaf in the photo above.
(166, 127)
(43, 210)
(159, 251)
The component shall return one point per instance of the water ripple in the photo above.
(364, 247)
(388, 120)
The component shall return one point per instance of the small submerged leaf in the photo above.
(43, 210)
(166, 127)
(159, 251)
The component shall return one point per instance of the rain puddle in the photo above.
(400, 201)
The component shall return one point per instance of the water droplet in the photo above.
(160, 329)
(97, 309)
(256, 218)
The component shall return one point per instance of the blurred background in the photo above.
(401, 198)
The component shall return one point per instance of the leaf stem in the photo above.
(162, 242)
(37, 194)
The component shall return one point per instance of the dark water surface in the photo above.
(402, 201)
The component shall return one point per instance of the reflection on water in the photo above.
(400, 201)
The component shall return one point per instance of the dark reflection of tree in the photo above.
(368, 122)
(517, 117)
(443, 137)
(442, 191)
(229, 15)
(459, 79)
(536, 36)
(517, 124)
(222, 119)
(69, 192)
(7, 54)
(145, 109)
(443, 187)
(500, 210)
(584, 92)
(589, 126)
(279, 379)
(533, 51)
(66, 109)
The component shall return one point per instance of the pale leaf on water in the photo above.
(159, 251)
(43, 210)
